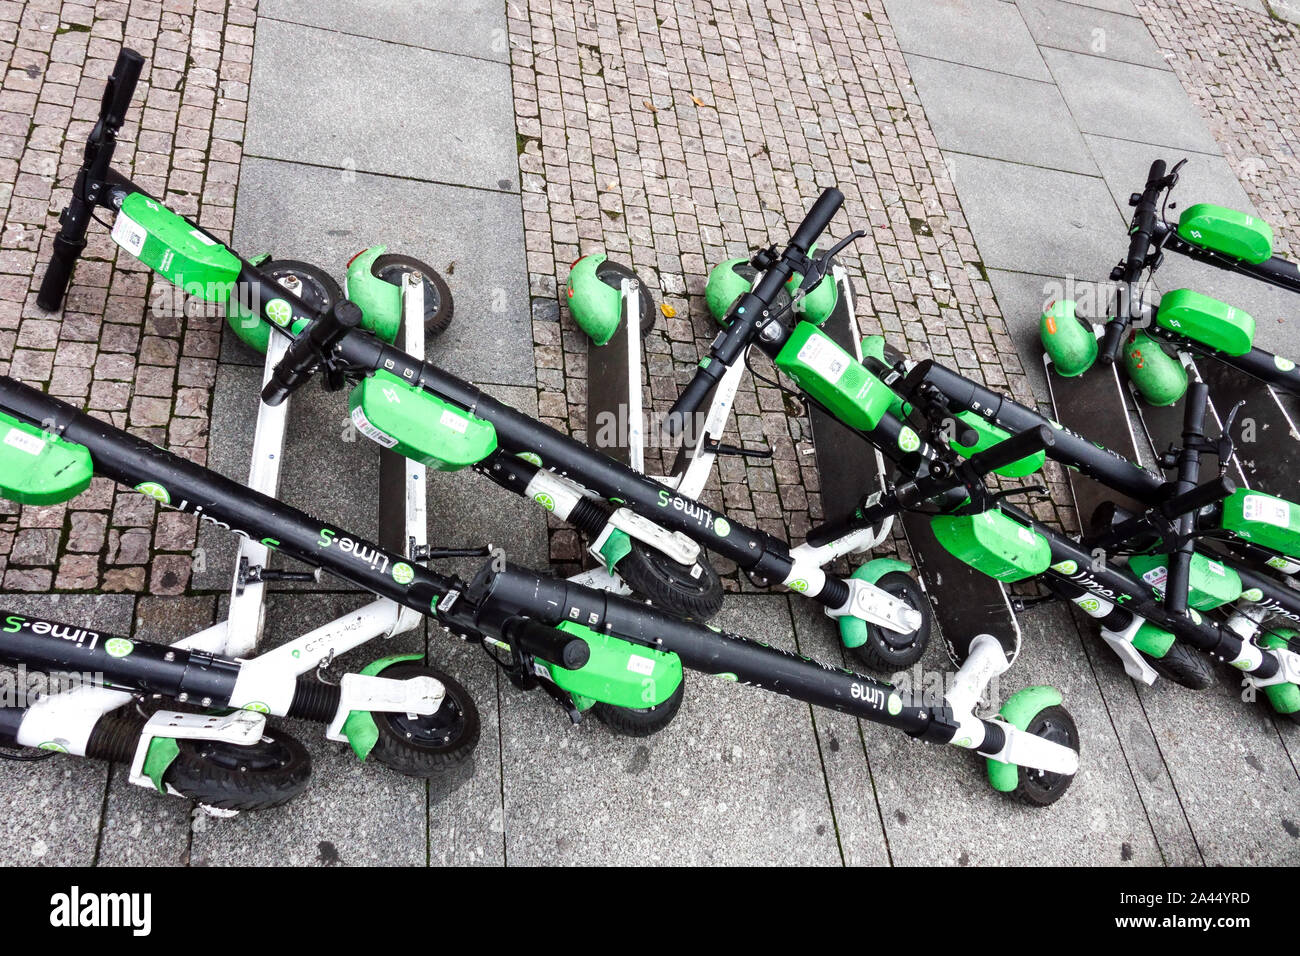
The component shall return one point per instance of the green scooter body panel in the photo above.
(1210, 584)
(1284, 697)
(596, 306)
(989, 435)
(37, 468)
(418, 425)
(1228, 231)
(994, 544)
(176, 250)
(833, 377)
(1199, 317)
(380, 301)
(618, 672)
(1158, 376)
(1265, 520)
(1071, 343)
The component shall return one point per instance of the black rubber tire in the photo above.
(621, 272)
(427, 746)
(438, 304)
(1185, 666)
(319, 290)
(266, 774)
(637, 722)
(1040, 788)
(669, 586)
(888, 650)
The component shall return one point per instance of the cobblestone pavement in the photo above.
(676, 135)
(122, 347)
(1240, 66)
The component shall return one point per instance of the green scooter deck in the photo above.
(966, 603)
(1093, 405)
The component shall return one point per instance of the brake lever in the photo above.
(1225, 447)
(821, 265)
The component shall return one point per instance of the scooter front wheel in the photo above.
(1041, 788)
(641, 722)
(227, 776)
(1183, 665)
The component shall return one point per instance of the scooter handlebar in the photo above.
(309, 349)
(549, 643)
(120, 88)
(690, 400)
(1009, 450)
(818, 218)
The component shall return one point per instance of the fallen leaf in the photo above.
(697, 101)
(650, 106)
(668, 310)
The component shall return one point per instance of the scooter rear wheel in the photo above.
(886, 650)
(266, 774)
(1184, 666)
(425, 746)
(438, 305)
(673, 587)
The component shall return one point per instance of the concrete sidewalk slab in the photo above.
(53, 808)
(1124, 166)
(329, 99)
(998, 116)
(1021, 297)
(1112, 6)
(469, 28)
(1233, 776)
(1028, 219)
(735, 779)
(1130, 102)
(1067, 26)
(984, 33)
(473, 237)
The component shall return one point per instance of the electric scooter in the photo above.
(632, 521)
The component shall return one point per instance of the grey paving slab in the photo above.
(1114, 6)
(357, 104)
(1139, 103)
(53, 808)
(1027, 219)
(473, 237)
(983, 33)
(1021, 297)
(1124, 166)
(938, 808)
(999, 116)
(1068, 26)
(353, 812)
(839, 738)
(735, 779)
(143, 828)
(1234, 777)
(472, 28)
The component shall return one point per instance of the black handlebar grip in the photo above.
(121, 88)
(818, 218)
(1198, 400)
(1202, 496)
(549, 643)
(689, 402)
(1029, 442)
(57, 274)
(1113, 339)
(1156, 173)
(309, 349)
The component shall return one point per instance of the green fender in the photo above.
(1153, 641)
(1021, 707)
(853, 630)
(616, 547)
(1069, 341)
(1159, 376)
(162, 751)
(728, 281)
(594, 304)
(819, 301)
(380, 301)
(359, 727)
(1285, 698)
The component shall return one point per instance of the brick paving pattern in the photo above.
(1241, 68)
(678, 134)
(125, 347)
